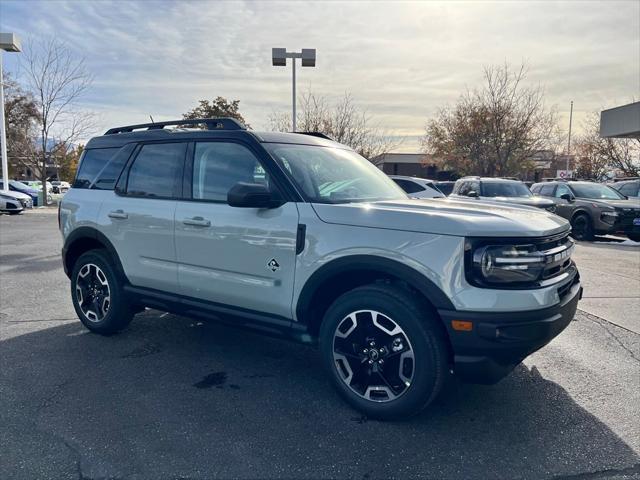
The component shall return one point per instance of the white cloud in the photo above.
(399, 60)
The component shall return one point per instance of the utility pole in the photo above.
(569, 143)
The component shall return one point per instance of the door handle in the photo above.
(118, 214)
(197, 222)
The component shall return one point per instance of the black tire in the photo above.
(14, 212)
(112, 311)
(424, 336)
(581, 227)
(634, 236)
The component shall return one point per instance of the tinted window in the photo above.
(106, 179)
(547, 190)
(446, 188)
(629, 189)
(408, 186)
(156, 170)
(92, 161)
(505, 189)
(595, 190)
(218, 166)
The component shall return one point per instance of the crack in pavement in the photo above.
(606, 327)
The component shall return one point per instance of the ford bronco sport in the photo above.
(299, 236)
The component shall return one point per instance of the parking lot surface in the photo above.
(173, 397)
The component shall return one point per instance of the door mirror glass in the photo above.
(253, 195)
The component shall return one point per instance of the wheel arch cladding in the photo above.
(346, 273)
(84, 239)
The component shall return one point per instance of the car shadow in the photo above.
(173, 397)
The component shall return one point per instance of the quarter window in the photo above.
(156, 170)
(408, 186)
(218, 166)
(92, 162)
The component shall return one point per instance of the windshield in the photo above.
(334, 175)
(594, 190)
(505, 189)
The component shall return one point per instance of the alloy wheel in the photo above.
(373, 356)
(92, 292)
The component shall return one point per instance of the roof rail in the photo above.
(316, 134)
(225, 123)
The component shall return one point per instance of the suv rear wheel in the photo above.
(97, 294)
(384, 351)
(581, 228)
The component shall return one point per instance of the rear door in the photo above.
(138, 217)
(242, 257)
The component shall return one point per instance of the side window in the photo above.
(561, 190)
(408, 186)
(106, 179)
(535, 189)
(218, 166)
(474, 186)
(156, 170)
(629, 189)
(462, 188)
(93, 160)
(547, 190)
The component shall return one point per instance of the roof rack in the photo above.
(225, 123)
(316, 134)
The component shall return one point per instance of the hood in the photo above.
(446, 217)
(15, 194)
(531, 201)
(612, 203)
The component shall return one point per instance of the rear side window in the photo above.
(92, 162)
(157, 170)
(547, 190)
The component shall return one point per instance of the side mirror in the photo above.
(567, 196)
(472, 193)
(253, 195)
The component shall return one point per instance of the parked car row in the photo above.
(591, 208)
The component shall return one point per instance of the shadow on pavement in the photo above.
(176, 398)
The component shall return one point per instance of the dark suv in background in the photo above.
(503, 190)
(592, 208)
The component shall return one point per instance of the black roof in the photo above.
(216, 128)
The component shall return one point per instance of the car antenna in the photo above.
(151, 119)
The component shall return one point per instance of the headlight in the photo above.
(508, 263)
(609, 216)
(489, 264)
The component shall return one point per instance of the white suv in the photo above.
(299, 236)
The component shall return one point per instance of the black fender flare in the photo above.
(82, 234)
(334, 268)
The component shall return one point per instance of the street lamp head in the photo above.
(279, 57)
(9, 42)
(308, 57)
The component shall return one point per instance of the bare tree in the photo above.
(494, 130)
(21, 115)
(597, 156)
(343, 121)
(57, 80)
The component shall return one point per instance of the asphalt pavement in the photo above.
(176, 398)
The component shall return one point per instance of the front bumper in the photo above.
(499, 341)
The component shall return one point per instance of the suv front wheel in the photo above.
(97, 294)
(384, 351)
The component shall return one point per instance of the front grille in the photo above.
(627, 216)
(557, 255)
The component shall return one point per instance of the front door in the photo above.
(243, 257)
(564, 208)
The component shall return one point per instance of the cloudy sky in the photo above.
(399, 60)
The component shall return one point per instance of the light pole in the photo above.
(279, 58)
(569, 143)
(8, 43)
